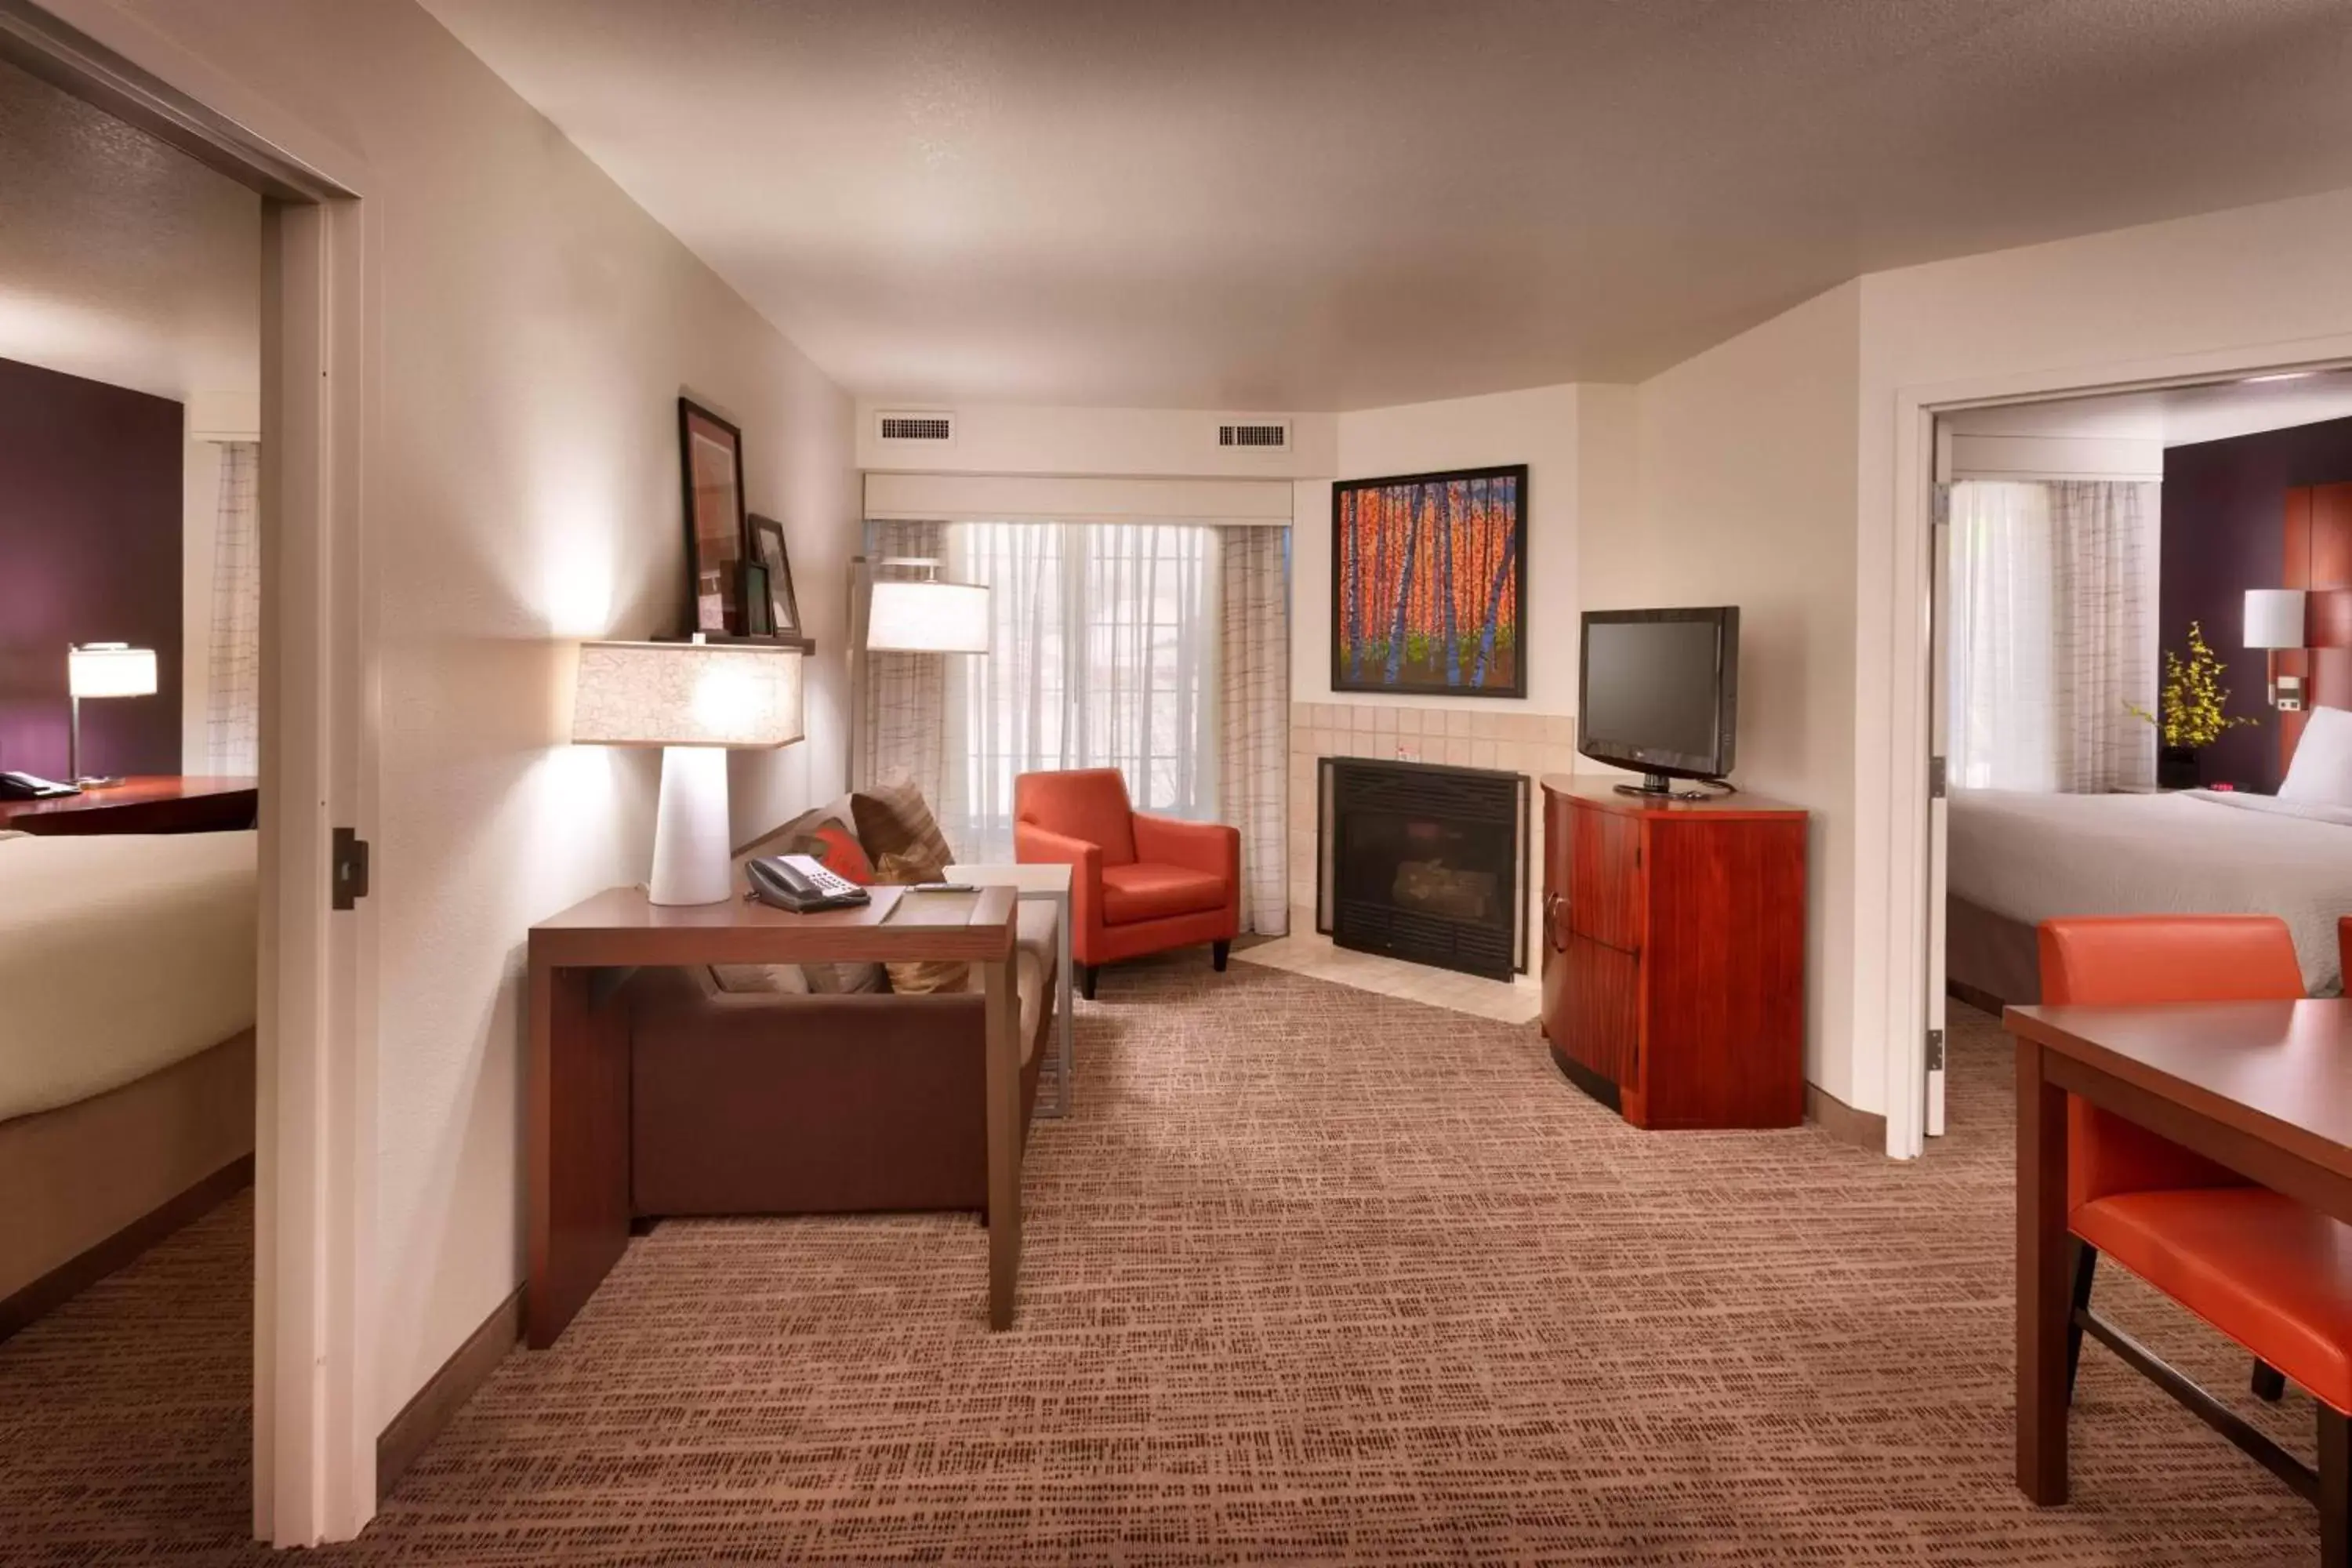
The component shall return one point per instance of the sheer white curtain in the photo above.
(1104, 653)
(2051, 601)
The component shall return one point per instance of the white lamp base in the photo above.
(691, 865)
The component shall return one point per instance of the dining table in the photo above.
(2264, 1087)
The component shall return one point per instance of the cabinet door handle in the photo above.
(1554, 907)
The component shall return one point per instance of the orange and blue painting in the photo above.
(1426, 583)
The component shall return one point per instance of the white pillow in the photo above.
(2321, 774)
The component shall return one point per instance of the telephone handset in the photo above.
(801, 883)
(31, 786)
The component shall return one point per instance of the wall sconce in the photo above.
(2274, 620)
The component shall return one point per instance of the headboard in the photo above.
(2318, 560)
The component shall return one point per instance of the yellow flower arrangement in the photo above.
(2193, 699)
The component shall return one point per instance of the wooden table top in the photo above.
(2281, 1071)
(140, 790)
(1601, 789)
(622, 926)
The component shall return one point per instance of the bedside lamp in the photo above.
(2273, 621)
(697, 702)
(103, 670)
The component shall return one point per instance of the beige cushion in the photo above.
(797, 837)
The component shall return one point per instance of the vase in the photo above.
(2178, 767)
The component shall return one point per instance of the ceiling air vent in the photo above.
(1253, 435)
(928, 429)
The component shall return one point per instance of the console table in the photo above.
(580, 1205)
(159, 804)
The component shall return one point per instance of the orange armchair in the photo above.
(1138, 883)
(2264, 1271)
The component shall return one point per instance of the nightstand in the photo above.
(156, 804)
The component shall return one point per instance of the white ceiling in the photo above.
(2175, 415)
(1341, 203)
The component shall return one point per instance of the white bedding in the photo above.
(120, 954)
(2034, 857)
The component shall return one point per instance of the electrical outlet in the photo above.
(1408, 752)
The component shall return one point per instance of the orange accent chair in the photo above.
(2259, 1266)
(1138, 883)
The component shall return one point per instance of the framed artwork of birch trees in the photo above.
(1428, 584)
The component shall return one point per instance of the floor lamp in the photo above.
(912, 614)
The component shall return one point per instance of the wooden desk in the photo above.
(2266, 1088)
(580, 1204)
(162, 803)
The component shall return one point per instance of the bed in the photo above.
(128, 972)
(2017, 860)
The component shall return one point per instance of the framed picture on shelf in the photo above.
(769, 553)
(1429, 583)
(711, 461)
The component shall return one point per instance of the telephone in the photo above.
(801, 883)
(30, 787)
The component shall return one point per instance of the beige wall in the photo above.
(1747, 462)
(532, 328)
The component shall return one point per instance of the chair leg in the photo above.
(1086, 980)
(2269, 1383)
(1219, 952)
(2087, 1267)
(2335, 1490)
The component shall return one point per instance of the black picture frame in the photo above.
(717, 538)
(770, 551)
(1484, 664)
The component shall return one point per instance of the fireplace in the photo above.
(1424, 862)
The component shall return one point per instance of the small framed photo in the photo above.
(758, 619)
(768, 553)
(711, 461)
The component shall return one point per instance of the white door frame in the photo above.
(315, 1423)
(1902, 640)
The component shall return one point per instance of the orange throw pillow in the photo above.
(833, 847)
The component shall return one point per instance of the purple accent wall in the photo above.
(90, 479)
(2224, 531)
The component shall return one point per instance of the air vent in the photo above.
(1253, 435)
(930, 430)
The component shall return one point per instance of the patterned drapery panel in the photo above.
(904, 728)
(2050, 606)
(233, 683)
(1253, 719)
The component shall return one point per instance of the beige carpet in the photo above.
(1314, 1275)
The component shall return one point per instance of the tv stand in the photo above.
(1674, 965)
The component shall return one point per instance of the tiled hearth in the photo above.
(1466, 734)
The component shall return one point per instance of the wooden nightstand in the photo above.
(161, 804)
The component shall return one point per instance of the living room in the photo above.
(1283, 1249)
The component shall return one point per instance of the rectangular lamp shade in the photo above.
(2274, 617)
(110, 670)
(928, 617)
(687, 694)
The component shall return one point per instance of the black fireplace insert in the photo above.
(1424, 862)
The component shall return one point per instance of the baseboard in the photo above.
(86, 1269)
(411, 1432)
(1863, 1129)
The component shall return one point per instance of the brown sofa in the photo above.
(768, 1103)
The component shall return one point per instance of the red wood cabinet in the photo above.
(1674, 963)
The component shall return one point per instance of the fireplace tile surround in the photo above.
(1467, 734)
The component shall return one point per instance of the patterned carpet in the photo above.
(1314, 1275)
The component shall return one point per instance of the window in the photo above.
(1104, 653)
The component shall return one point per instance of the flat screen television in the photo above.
(1658, 691)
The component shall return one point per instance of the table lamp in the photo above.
(2274, 620)
(697, 702)
(103, 670)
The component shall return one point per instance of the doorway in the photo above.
(2098, 561)
(314, 1422)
